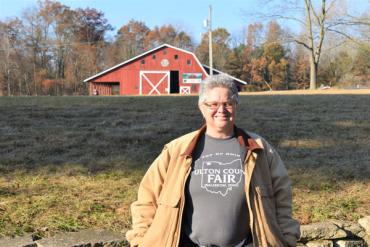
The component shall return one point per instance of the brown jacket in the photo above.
(157, 213)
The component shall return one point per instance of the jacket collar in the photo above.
(244, 140)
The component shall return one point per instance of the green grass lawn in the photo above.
(69, 163)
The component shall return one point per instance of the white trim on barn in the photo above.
(185, 90)
(220, 72)
(145, 53)
(143, 74)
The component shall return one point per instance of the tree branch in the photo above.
(309, 26)
(345, 35)
(330, 5)
(333, 47)
(314, 13)
(322, 33)
(276, 16)
(302, 43)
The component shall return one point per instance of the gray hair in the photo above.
(219, 80)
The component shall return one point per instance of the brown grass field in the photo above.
(311, 92)
(70, 163)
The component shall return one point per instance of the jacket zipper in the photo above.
(249, 154)
(182, 205)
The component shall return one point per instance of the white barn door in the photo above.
(154, 82)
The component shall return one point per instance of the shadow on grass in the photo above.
(325, 134)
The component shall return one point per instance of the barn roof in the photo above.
(205, 68)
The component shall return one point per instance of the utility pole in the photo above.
(210, 40)
(208, 24)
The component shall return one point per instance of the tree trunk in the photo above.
(27, 85)
(20, 88)
(313, 73)
(1, 88)
(34, 78)
(8, 82)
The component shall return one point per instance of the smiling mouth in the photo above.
(222, 117)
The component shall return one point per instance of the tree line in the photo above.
(52, 48)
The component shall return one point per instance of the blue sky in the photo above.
(188, 15)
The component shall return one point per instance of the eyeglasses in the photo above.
(215, 105)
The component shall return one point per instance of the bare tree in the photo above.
(316, 18)
(6, 62)
(9, 55)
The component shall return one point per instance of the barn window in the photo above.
(153, 56)
(188, 62)
(164, 52)
(176, 56)
(142, 61)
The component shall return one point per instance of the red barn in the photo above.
(160, 71)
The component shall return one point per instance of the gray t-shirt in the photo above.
(215, 207)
